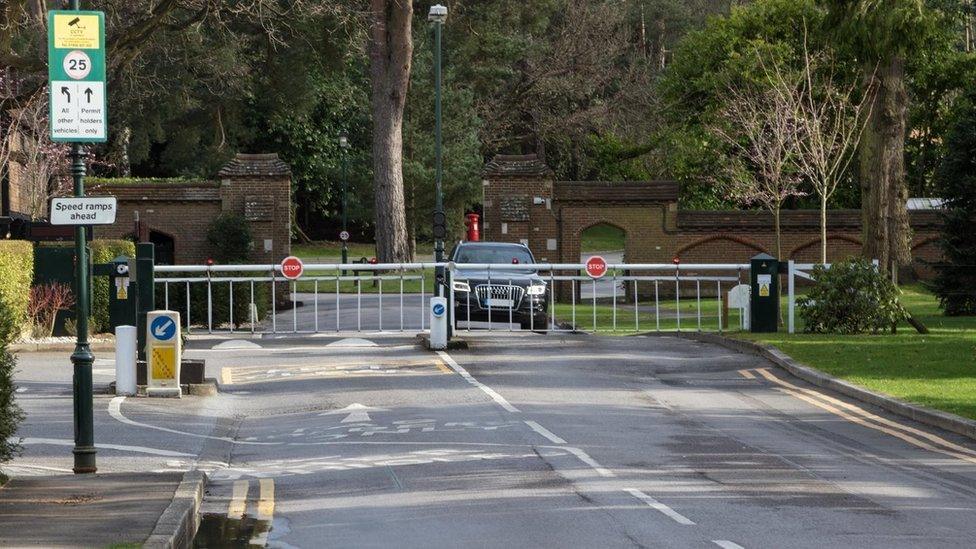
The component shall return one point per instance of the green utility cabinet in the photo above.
(121, 292)
(764, 302)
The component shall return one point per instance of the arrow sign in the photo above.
(163, 328)
(66, 93)
(88, 94)
(357, 413)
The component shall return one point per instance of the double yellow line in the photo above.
(862, 417)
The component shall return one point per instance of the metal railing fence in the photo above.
(395, 297)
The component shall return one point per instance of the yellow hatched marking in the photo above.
(226, 376)
(266, 503)
(812, 397)
(747, 374)
(238, 500)
(442, 367)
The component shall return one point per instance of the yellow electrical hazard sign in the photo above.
(164, 363)
(764, 290)
(76, 32)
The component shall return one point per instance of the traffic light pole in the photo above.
(345, 205)
(439, 195)
(82, 358)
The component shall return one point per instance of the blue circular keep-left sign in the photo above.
(163, 328)
(439, 309)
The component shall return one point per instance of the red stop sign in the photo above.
(596, 267)
(292, 267)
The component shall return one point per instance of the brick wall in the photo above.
(255, 186)
(656, 231)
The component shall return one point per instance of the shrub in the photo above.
(230, 239)
(16, 274)
(46, 301)
(10, 413)
(103, 251)
(851, 297)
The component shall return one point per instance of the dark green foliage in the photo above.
(230, 240)
(955, 283)
(10, 413)
(851, 297)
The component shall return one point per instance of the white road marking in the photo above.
(470, 379)
(726, 544)
(238, 499)
(585, 458)
(657, 505)
(120, 447)
(545, 432)
(20, 390)
(237, 344)
(355, 413)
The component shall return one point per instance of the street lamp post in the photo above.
(437, 17)
(344, 145)
(82, 358)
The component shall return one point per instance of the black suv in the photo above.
(517, 294)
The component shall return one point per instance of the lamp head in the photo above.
(437, 14)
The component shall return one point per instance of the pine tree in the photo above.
(955, 283)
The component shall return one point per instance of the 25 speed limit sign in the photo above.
(77, 65)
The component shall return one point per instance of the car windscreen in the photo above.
(506, 255)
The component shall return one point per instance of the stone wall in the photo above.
(523, 203)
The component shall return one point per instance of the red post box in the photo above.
(474, 234)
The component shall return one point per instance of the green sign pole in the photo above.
(76, 56)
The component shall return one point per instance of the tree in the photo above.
(830, 123)
(760, 127)
(880, 34)
(390, 54)
(955, 283)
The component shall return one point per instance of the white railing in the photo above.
(384, 297)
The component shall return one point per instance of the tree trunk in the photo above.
(390, 51)
(823, 228)
(884, 189)
(779, 232)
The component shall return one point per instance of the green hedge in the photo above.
(103, 251)
(16, 275)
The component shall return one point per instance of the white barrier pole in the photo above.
(791, 300)
(125, 360)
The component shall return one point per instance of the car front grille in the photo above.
(499, 291)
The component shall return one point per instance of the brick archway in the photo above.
(715, 240)
(853, 249)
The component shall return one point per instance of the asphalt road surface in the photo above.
(567, 441)
(523, 440)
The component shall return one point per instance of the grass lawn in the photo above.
(936, 370)
(330, 252)
(602, 238)
(646, 321)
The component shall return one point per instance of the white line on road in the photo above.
(470, 379)
(657, 505)
(120, 447)
(585, 458)
(20, 390)
(726, 544)
(545, 432)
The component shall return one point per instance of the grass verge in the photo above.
(937, 370)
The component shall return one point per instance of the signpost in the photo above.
(76, 71)
(596, 267)
(98, 210)
(292, 268)
(79, 114)
(344, 236)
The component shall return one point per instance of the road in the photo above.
(563, 441)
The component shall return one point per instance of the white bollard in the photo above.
(125, 360)
(438, 323)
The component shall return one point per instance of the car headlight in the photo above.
(539, 289)
(460, 286)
